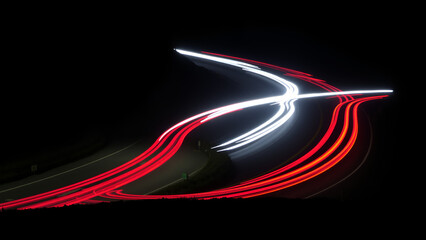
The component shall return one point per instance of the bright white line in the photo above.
(217, 59)
(240, 138)
(286, 102)
(185, 121)
(310, 95)
(264, 131)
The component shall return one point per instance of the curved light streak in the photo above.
(288, 175)
(286, 101)
(107, 184)
(235, 63)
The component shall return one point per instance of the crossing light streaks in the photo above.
(109, 184)
(285, 101)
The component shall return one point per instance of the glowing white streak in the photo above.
(291, 88)
(263, 125)
(241, 105)
(286, 102)
(217, 59)
(269, 126)
(325, 94)
(272, 123)
(278, 123)
(265, 131)
(221, 110)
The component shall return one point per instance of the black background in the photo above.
(67, 66)
(71, 70)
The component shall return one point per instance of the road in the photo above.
(117, 153)
(332, 147)
(335, 142)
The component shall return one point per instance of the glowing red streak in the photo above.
(246, 189)
(126, 177)
(132, 175)
(301, 170)
(90, 181)
(327, 165)
(262, 64)
(279, 179)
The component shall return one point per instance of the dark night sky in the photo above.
(69, 73)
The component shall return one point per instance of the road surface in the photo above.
(117, 152)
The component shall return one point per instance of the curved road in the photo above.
(110, 183)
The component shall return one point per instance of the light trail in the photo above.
(312, 95)
(108, 184)
(286, 101)
(304, 168)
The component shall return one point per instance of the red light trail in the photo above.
(109, 184)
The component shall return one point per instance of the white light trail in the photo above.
(326, 94)
(217, 59)
(286, 102)
(263, 125)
